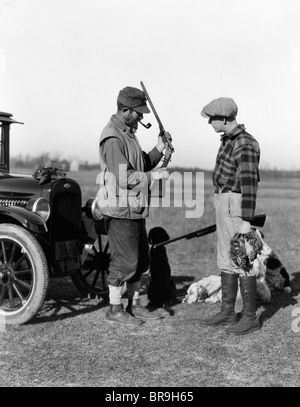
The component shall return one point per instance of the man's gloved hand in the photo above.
(161, 173)
(244, 227)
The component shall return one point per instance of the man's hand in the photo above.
(159, 174)
(161, 145)
(168, 135)
(244, 227)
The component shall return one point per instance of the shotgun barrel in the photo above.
(258, 221)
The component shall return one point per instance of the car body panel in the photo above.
(60, 235)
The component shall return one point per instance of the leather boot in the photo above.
(116, 313)
(249, 321)
(138, 311)
(227, 315)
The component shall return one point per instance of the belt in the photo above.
(225, 191)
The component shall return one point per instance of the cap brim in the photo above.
(204, 114)
(141, 109)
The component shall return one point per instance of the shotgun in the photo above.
(258, 221)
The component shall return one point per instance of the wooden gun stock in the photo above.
(161, 127)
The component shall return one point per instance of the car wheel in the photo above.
(23, 275)
(91, 278)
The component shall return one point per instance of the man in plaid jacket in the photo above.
(235, 181)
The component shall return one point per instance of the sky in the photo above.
(63, 63)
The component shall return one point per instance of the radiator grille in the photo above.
(65, 217)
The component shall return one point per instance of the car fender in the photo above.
(29, 220)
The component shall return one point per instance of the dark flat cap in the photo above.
(134, 98)
(224, 107)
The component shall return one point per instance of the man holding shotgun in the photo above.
(235, 181)
(123, 200)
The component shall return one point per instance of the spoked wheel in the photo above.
(91, 278)
(23, 275)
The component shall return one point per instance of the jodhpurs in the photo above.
(129, 250)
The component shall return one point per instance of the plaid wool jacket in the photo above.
(236, 168)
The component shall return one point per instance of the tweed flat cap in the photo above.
(134, 98)
(224, 107)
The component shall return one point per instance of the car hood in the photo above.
(19, 186)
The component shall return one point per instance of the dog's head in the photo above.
(157, 235)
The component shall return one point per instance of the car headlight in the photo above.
(40, 206)
(92, 210)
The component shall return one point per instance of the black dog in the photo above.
(162, 289)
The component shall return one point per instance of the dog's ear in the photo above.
(273, 263)
(150, 237)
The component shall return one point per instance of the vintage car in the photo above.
(45, 232)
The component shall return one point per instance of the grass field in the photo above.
(70, 344)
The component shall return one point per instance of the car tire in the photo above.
(90, 279)
(23, 275)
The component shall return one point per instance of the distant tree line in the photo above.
(264, 173)
(43, 160)
(48, 160)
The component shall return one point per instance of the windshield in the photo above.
(2, 146)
